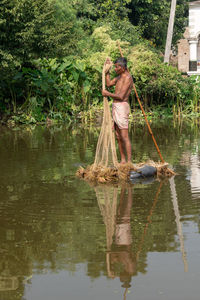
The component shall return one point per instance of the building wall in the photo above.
(189, 47)
(184, 53)
(198, 55)
(194, 20)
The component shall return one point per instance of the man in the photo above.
(120, 108)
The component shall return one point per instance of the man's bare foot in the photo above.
(123, 162)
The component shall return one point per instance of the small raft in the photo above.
(124, 172)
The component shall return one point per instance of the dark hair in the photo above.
(122, 61)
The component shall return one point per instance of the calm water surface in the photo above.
(61, 238)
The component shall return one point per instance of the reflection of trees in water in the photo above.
(55, 224)
(48, 227)
(171, 139)
(44, 153)
(15, 267)
(59, 230)
(188, 186)
(81, 142)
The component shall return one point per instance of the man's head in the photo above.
(120, 65)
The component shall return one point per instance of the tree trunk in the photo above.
(170, 31)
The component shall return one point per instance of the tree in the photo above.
(152, 16)
(170, 32)
(31, 29)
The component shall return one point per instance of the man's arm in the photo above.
(110, 82)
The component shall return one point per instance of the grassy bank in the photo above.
(94, 114)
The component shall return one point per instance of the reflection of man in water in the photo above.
(121, 260)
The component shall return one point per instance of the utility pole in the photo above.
(170, 31)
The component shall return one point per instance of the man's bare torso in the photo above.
(124, 81)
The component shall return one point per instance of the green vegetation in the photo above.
(52, 53)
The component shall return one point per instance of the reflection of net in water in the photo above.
(107, 201)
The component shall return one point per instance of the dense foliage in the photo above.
(153, 15)
(52, 53)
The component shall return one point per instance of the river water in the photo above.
(61, 238)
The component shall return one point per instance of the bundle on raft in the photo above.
(124, 172)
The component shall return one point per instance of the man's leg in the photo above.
(126, 142)
(120, 143)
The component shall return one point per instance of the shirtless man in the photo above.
(120, 108)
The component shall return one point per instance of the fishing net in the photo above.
(106, 155)
(106, 167)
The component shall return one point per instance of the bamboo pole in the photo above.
(147, 122)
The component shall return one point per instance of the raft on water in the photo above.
(124, 172)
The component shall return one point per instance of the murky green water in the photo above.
(63, 239)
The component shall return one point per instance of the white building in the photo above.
(189, 48)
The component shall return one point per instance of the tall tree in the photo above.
(35, 28)
(170, 31)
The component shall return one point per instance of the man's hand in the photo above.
(105, 93)
(108, 65)
(108, 60)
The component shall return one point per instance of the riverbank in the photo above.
(94, 115)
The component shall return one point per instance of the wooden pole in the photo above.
(149, 128)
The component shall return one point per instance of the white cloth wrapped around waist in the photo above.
(123, 234)
(120, 113)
